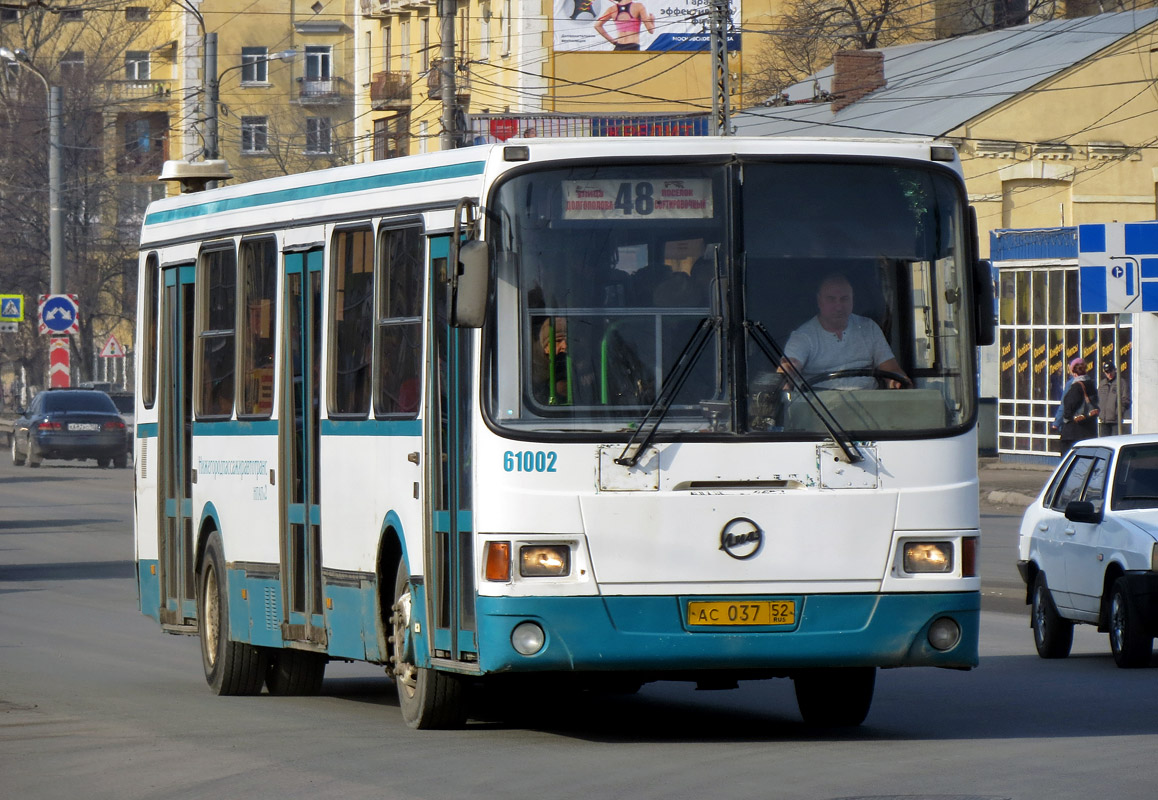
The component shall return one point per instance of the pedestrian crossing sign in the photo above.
(11, 308)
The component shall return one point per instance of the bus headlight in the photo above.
(545, 560)
(928, 557)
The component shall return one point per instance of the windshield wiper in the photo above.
(672, 383)
(775, 354)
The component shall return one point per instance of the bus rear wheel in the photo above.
(835, 698)
(429, 699)
(231, 668)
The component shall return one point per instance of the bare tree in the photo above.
(114, 134)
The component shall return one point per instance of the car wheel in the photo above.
(17, 459)
(835, 698)
(34, 457)
(120, 462)
(1130, 643)
(428, 698)
(1053, 635)
(231, 668)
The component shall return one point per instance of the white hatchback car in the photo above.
(1088, 549)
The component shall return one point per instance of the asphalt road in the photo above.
(96, 702)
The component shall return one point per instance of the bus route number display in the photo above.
(684, 198)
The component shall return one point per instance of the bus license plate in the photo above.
(742, 612)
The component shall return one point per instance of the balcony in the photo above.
(379, 8)
(320, 92)
(434, 82)
(390, 91)
(140, 91)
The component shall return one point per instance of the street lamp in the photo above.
(55, 218)
(214, 77)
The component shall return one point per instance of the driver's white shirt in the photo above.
(861, 345)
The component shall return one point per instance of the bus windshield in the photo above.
(856, 271)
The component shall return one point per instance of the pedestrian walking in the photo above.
(1079, 407)
(1113, 400)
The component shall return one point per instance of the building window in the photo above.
(9, 14)
(386, 54)
(137, 14)
(218, 281)
(318, 139)
(254, 65)
(391, 137)
(255, 134)
(404, 45)
(72, 68)
(72, 15)
(319, 62)
(425, 44)
(137, 65)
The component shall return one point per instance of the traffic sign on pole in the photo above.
(59, 314)
(112, 348)
(11, 308)
(58, 362)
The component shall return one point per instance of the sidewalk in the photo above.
(1008, 484)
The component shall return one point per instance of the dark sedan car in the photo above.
(70, 423)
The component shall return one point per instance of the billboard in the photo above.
(601, 26)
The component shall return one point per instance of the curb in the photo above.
(1003, 498)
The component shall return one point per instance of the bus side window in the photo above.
(258, 288)
(218, 297)
(399, 322)
(352, 319)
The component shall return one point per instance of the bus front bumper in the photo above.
(652, 635)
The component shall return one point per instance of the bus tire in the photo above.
(1130, 641)
(295, 672)
(1053, 635)
(428, 699)
(835, 698)
(231, 668)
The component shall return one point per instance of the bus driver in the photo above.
(836, 340)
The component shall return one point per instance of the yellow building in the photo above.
(540, 67)
(284, 82)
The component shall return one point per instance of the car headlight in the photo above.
(545, 560)
(928, 557)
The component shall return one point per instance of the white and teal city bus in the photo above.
(519, 411)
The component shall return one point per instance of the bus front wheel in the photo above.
(231, 668)
(835, 698)
(429, 699)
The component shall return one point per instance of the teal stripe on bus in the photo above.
(236, 427)
(414, 176)
(146, 430)
(371, 427)
(269, 427)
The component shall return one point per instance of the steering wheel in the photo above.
(861, 372)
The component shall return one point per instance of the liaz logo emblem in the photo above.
(741, 538)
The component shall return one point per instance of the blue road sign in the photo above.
(58, 314)
(11, 308)
(1118, 267)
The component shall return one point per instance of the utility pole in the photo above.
(449, 138)
(718, 19)
(55, 211)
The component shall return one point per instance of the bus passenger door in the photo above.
(298, 440)
(450, 547)
(176, 555)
